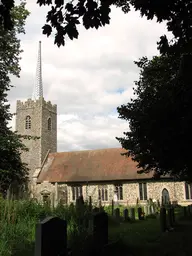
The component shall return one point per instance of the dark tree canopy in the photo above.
(160, 117)
(65, 16)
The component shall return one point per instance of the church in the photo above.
(103, 174)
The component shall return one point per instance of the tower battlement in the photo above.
(29, 103)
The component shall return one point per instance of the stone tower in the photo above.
(36, 117)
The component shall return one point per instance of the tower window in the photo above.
(28, 122)
(49, 123)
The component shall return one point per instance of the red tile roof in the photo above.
(89, 166)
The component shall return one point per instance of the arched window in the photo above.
(28, 122)
(49, 123)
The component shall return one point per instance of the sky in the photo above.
(88, 78)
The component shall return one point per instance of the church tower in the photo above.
(36, 117)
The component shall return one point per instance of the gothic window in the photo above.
(77, 191)
(103, 193)
(119, 191)
(28, 122)
(143, 191)
(49, 123)
(188, 190)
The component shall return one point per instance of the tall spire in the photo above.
(38, 88)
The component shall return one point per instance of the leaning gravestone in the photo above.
(51, 237)
(132, 213)
(100, 230)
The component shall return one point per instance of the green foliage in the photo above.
(64, 16)
(13, 173)
(160, 117)
(18, 219)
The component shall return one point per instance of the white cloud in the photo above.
(89, 77)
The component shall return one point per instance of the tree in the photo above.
(160, 117)
(64, 16)
(12, 170)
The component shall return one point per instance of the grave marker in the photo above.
(140, 214)
(112, 207)
(100, 230)
(51, 237)
(117, 213)
(132, 213)
(163, 221)
(170, 217)
(125, 215)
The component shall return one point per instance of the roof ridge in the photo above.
(85, 150)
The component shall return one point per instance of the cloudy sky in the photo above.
(89, 77)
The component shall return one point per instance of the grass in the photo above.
(18, 220)
(146, 238)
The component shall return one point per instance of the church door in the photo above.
(165, 197)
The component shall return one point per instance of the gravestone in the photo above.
(51, 237)
(185, 211)
(90, 203)
(100, 230)
(170, 217)
(140, 213)
(112, 207)
(117, 213)
(80, 208)
(125, 215)
(163, 219)
(173, 215)
(132, 213)
(190, 208)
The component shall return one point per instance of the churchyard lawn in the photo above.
(18, 223)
